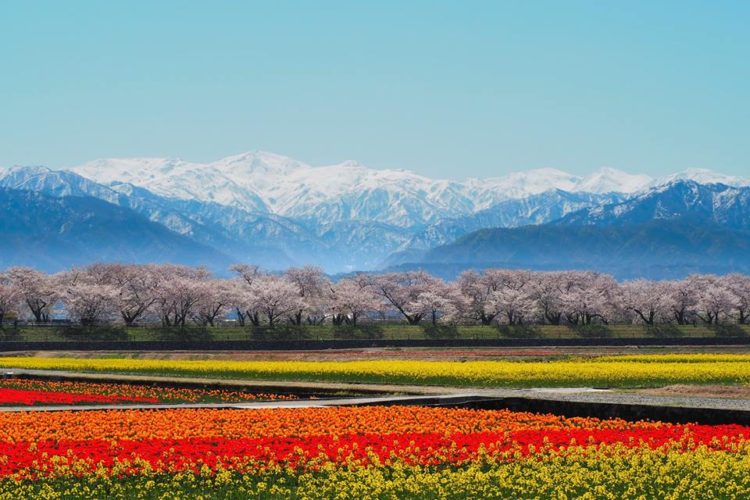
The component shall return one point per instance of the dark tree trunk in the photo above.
(553, 318)
(486, 319)
(240, 316)
(254, 318)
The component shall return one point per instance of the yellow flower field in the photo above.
(579, 473)
(613, 371)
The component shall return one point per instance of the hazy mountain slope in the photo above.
(236, 233)
(54, 233)
(362, 245)
(656, 249)
(532, 210)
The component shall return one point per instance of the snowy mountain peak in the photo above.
(351, 164)
(530, 182)
(259, 161)
(30, 169)
(702, 176)
(612, 180)
(260, 181)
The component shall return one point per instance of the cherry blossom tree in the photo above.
(214, 303)
(38, 291)
(402, 289)
(587, 296)
(441, 301)
(351, 299)
(683, 296)
(136, 286)
(243, 295)
(477, 290)
(312, 288)
(87, 300)
(174, 294)
(247, 272)
(275, 298)
(180, 289)
(714, 299)
(498, 291)
(10, 297)
(511, 305)
(508, 295)
(650, 301)
(546, 289)
(240, 300)
(739, 286)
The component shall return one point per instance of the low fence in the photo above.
(305, 345)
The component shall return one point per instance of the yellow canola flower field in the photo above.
(606, 472)
(626, 371)
(677, 358)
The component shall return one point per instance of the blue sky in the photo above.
(448, 89)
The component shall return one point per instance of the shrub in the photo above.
(440, 331)
(280, 332)
(728, 330)
(364, 331)
(519, 331)
(665, 330)
(593, 331)
(100, 332)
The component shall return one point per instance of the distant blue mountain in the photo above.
(531, 210)
(667, 232)
(55, 233)
(231, 231)
(655, 249)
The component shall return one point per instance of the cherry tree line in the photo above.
(176, 296)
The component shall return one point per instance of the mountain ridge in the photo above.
(261, 181)
(667, 232)
(356, 218)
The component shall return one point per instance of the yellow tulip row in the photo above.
(625, 371)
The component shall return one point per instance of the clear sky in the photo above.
(448, 89)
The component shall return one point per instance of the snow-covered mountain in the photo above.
(258, 181)
(56, 183)
(275, 211)
(678, 199)
(669, 231)
(267, 182)
(611, 180)
(700, 176)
